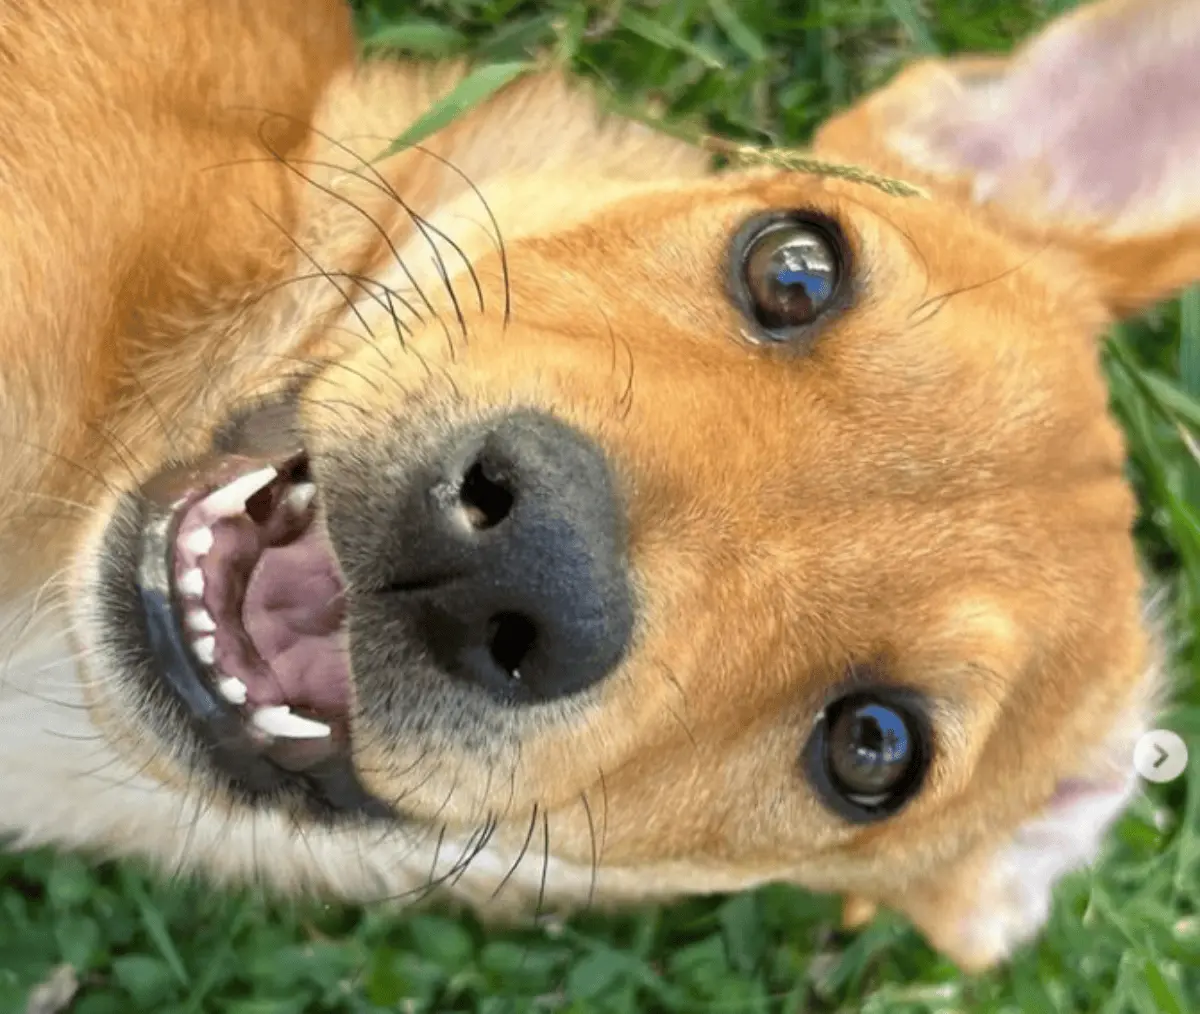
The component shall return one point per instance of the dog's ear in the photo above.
(1087, 138)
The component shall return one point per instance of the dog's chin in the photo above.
(218, 602)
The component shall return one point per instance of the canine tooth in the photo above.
(205, 649)
(300, 496)
(201, 622)
(192, 582)
(233, 690)
(280, 721)
(230, 501)
(198, 542)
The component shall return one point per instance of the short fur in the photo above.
(934, 489)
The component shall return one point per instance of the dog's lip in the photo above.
(322, 768)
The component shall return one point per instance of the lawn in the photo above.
(1124, 937)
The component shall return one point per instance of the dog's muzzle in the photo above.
(499, 564)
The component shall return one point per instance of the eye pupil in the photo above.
(870, 748)
(792, 270)
(869, 753)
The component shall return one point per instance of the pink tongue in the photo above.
(293, 611)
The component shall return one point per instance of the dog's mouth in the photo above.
(242, 606)
(261, 603)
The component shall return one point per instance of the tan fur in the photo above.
(937, 486)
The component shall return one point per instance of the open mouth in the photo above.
(242, 606)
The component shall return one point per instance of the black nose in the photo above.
(519, 582)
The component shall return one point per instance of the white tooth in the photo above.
(233, 690)
(200, 621)
(281, 722)
(300, 496)
(205, 649)
(198, 542)
(192, 583)
(230, 501)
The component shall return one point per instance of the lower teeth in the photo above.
(233, 690)
(279, 721)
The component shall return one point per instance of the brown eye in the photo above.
(791, 271)
(870, 748)
(868, 755)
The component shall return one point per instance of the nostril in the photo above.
(508, 562)
(484, 495)
(511, 637)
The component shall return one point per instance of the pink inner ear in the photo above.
(1101, 114)
(1072, 791)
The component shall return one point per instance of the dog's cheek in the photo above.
(999, 898)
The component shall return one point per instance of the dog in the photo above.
(544, 515)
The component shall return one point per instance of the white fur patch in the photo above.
(1014, 901)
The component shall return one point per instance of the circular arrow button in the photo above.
(1160, 756)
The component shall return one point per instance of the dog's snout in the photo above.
(520, 584)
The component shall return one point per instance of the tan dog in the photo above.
(540, 515)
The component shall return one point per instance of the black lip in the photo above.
(142, 630)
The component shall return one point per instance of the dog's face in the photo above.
(762, 526)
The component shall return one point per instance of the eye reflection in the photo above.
(791, 268)
(868, 753)
(870, 748)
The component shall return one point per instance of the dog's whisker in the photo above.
(121, 452)
(331, 278)
(539, 908)
(75, 505)
(478, 840)
(594, 861)
(426, 228)
(333, 364)
(934, 305)
(409, 349)
(77, 466)
(383, 298)
(623, 403)
(42, 604)
(144, 393)
(521, 852)
(376, 226)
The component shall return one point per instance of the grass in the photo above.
(1123, 938)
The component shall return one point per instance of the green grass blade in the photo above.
(667, 38)
(418, 38)
(473, 90)
(1189, 370)
(156, 930)
(737, 31)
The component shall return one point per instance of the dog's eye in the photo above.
(868, 755)
(791, 270)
